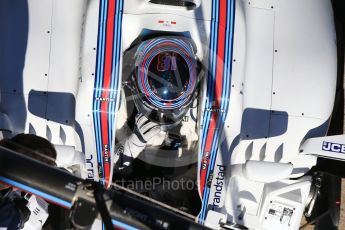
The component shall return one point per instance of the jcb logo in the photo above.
(333, 147)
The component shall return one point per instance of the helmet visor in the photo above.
(168, 75)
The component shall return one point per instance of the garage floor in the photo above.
(342, 209)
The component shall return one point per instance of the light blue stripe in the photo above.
(99, 135)
(119, 59)
(97, 73)
(97, 87)
(209, 96)
(215, 50)
(99, 82)
(212, 86)
(97, 128)
(207, 113)
(123, 225)
(113, 80)
(95, 110)
(211, 72)
(36, 192)
(102, 47)
(102, 25)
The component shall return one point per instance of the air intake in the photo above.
(189, 4)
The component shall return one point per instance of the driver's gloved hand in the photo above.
(13, 214)
(144, 130)
(24, 211)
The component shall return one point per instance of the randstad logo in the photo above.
(218, 185)
(333, 147)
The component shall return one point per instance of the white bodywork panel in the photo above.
(283, 88)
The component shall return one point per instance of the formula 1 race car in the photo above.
(222, 114)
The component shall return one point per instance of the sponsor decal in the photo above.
(100, 171)
(209, 179)
(105, 99)
(333, 147)
(185, 119)
(106, 153)
(215, 110)
(218, 186)
(71, 186)
(89, 168)
(205, 161)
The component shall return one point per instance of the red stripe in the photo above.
(218, 91)
(208, 145)
(118, 227)
(221, 50)
(106, 86)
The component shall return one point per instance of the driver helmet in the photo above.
(165, 79)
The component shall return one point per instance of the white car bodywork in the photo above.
(283, 83)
